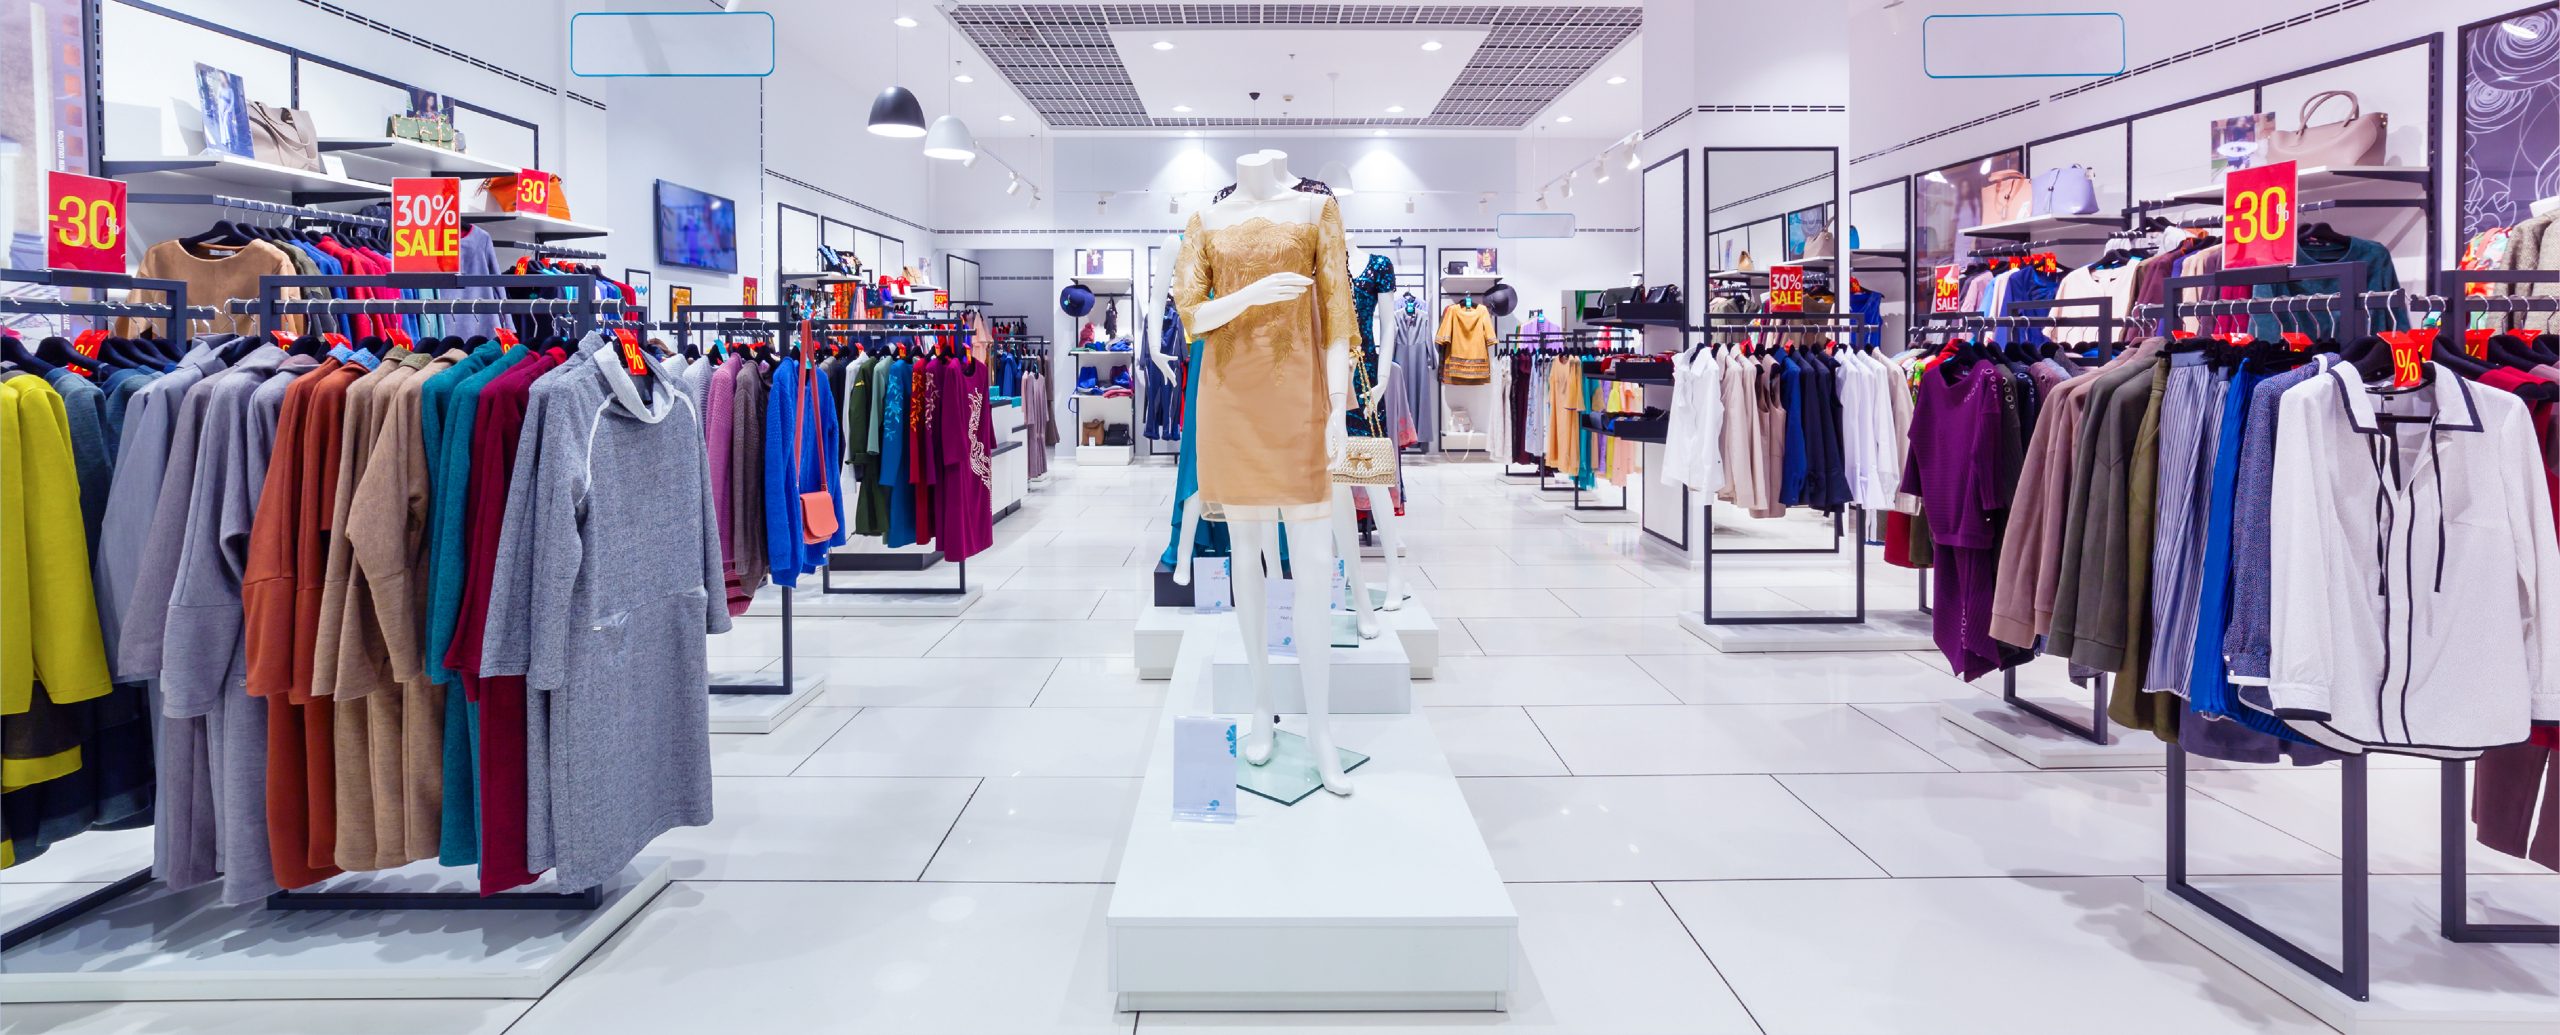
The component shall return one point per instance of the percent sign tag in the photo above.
(1786, 289)
(426, 224)
(2258, 210)
(1950, 290)
(87, 223)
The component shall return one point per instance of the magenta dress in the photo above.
(964, 495)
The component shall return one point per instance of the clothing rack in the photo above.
(1609, 342)
(2210, 222)
(552, 251)
(312, 213)
(1849, 323)
(885, 560)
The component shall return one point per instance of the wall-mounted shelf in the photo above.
(1738, 275)
(397, 157)
(2033, 227)
(1879, 260)
(1468, 284)
(1106, 285)
(2320, 179)
(195, 174)
(528, 226)
(821, 279)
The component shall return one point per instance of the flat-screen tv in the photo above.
(696, 230)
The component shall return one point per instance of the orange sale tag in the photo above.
(85, 223)
(2410, 351)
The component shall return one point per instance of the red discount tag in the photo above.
(2475, 342)
(533, 191)
(2410, 351)
(86, 223)
(2258, 209)
(1950, 290)
(748, 291)
(1786, 289)
(2297, 340)
(426, 224)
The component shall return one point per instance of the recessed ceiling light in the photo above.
(1182, 107)
(903, 22)
(1616, 80)
(1395, 109)
(1163, 44)
(1004, 118)
(963, 77)
(1564, 118)
(1431, 45)
(1379, 133)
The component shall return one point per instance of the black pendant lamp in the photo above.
(896, 113)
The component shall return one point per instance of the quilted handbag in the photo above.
(2066, 190)
(2355, 140)
(2008, 198)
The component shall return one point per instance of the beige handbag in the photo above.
(284, 136)
(1822, 246)
(2008, 198)
(1366, 461)
(2355, 140)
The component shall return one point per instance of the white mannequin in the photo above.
(2546, 207)
(1262, 191)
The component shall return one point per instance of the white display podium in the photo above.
(1374, 678)
(1160, 631)
(1385, 900)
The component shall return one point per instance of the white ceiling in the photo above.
(1301, 73)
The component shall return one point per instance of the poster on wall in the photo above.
(45, 61)
(1104, 262)
(639, 281)
(224, 104)
(2510, 140)
(678, 297)
(1803, 225)
(1949, 199)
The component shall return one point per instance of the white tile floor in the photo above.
(1698, 842)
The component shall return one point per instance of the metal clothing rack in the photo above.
(312, 213)
(1848, 322)
(780, 327)
(887, 561)
(1604, 340)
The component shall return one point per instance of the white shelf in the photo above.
(1106, 285)
(1736, 274)
(1468, 284)
(411, 158)
(168, 175)
(1102, 456)
(820, 278)
(2321, 178)
(539, 227)
(2029, 228)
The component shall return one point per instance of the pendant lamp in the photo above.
(897, 113)
(950, 140)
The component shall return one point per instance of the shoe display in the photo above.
(1121, 379)
(1088, 382)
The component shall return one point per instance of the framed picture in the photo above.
(2238, 141)
(639, 281)
(678, 297)
(226, 111)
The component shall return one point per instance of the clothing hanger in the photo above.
(2322, 235)
(15, 351)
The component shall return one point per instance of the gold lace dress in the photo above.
(1263, 409)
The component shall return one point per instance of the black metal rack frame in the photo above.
(910, 560)
(1852, 323)
(752, 323)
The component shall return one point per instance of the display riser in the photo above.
(1384, 900)
(2421, 984)
(2046, 746)
(1602, 517)
(1374, 678)
(1160, 630)
(1883, 630)
(156, 945)
(1169, 593)
(759, 713)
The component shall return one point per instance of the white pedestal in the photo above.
(1160, 631)
(759, 713)
(1384, 900)
(1413, 626)
(2421, 984)
(1103, 456)
(1883, 630)
(1374, 678)
(161, 945)
(2047, 746)
(1602, 517)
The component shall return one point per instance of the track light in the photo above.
(1599, 170)
(1568, 186)
(1173, 205)
(1102, 203)
(1634, 159)
(1408, 204)
(1484, 203)
(1542, 201)
(1012, 183)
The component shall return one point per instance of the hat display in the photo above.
(1501, 300)
(1076, 300)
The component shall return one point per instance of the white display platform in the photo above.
(1627, 516)
(2421, 983)
(759, 713)
(1385, 900)
(2046, 746)
(161, 945)
(1159, 636)
(1883, 630)
(1374, 678)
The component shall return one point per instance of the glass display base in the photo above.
(1291, 774)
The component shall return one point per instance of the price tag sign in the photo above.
(1950, 290)
(2410, 351)
(748, 293)
(1786, 289)
(1212, 585)
(426, 224)
(2258, 209)
(85, 223)
(533, 191)
(1204, 769)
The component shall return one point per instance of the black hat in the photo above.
(1076, 300)
(1501, 300)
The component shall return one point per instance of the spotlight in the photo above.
(963, 78)
(903, 22)
(1004, 118)
(1431, 45)
(1185, 108)
(1012, 183)
(1102, 203)
(1408, 204)
(1616, 80)
(1564, 118)
(1173, 205)
(1542, 201)
(1163, 44)
(1634, 160)
(1395, 109)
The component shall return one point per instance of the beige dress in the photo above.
(1263, 409)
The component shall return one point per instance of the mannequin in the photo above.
(2546, 208)
(1273, 389)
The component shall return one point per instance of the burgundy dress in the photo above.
(965, 491)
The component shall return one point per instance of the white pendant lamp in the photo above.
(950, 140)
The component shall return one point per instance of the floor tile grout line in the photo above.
(1834, 828)
(1054, 666)
(955, 825)
(1923, 749)
(1710, 957)
(1550, 741)
(804, 761)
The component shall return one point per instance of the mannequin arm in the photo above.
(1211, 314)
(1386, 373)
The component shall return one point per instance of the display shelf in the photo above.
(2320, 179)
(539, 228)
(1102, 456)
(1591, 422)
(180, 175)
(2033, 227)
(1737, 274)
(1106, 285)
(1664, 382)
(824, 278)
(1374, 678)
(1634, 324)
(1888, 260)
(1123, 354)
(401, 157)
(1467, 284)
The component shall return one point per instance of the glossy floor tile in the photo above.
(988, 742)
(1797, 678)
(929, 682)
(847, 828)
(1493, 742)
(255, 1017)
(1655, 828)
(1046, 830)
(1653, 635)
(1729, 738)
(1546, 679)
(2091, 823)
(781, 751)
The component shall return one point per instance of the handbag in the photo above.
(1743, 263)
(284, 136)
(1822, 246)
(2066, 190)
(2355, 140)
(817, 509)
(2008, 198)
(1366, 460)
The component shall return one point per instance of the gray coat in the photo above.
(607, 581)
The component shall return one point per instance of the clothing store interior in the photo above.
(1845, 517)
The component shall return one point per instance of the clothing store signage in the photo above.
(533, 191)
(1949, 295)
(1786, 289)
(85, 216)
(426, 224)
(2258, 209)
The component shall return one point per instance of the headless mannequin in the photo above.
(2546, 207)
(1263, 191)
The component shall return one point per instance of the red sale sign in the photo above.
(2258, 208)
(1949, 294)
(426, 224)
(533, 191)
(84, 223)
(1786, 289)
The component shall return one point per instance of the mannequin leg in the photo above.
(1346, 541)
(1186, 541)
(1250, 542)
(1311, 553)
(1391, 534)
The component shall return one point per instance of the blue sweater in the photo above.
(788, 411)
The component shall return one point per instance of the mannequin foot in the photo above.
(1182, 573)
(1396, 596)
(1329, 766)
(1258, 740)
(1369, 628)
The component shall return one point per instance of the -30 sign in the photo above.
(84, 218)
(533, 191)
(2259, 206)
